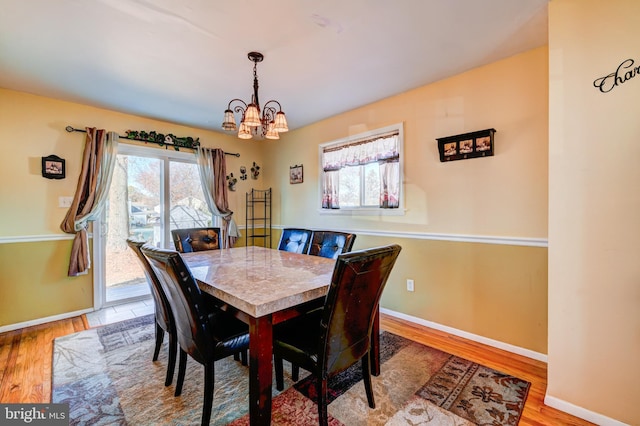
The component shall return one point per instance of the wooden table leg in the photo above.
(260, 376)
(374, 354)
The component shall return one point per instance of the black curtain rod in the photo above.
(187, 141)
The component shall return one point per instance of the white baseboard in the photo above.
(470, 336)
(580, 412)
(39, 321)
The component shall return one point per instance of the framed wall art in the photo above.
(53, 167)
(296, 174)
(467, 145)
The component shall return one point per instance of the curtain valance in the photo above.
(378, 149)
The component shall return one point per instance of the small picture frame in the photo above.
(296, 174)
(53, 167)
(467, 145)
(483, 144)
(450, 149)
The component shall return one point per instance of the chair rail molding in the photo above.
(36, 238)
(484, 239)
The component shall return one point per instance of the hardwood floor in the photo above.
(26, 364)
(26, 357)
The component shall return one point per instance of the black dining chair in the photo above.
(205, 335)
(330, 339)
(187, 240)
(295, 240)
(163, 315)
(331, 243)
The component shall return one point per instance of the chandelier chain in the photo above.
(255, 84)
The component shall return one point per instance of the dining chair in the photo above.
(295, 240)
(331, 243)
(163, 316)
(187, 240)
(330, 339)
(205, 335)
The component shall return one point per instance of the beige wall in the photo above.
(594, 205)
(504, 195)
(496, 291)
(491, 290)
(33, 250)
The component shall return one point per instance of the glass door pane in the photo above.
(146, 193)
(134, 211)
(187, 205)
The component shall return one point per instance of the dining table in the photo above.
(264, 287)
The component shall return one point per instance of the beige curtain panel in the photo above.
(98, 161)
(212, 166)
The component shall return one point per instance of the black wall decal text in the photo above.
(625, 72)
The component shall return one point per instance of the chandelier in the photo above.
(269, 123)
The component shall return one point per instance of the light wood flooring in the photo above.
(26, 363)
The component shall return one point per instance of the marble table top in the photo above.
(260, 281)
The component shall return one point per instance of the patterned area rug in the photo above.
(107, 377)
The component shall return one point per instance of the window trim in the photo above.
(364, 211)
(146, 151)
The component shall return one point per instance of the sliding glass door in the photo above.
(152, 192)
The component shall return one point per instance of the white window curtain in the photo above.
(330, 185)
(212, 168)
(382, 149)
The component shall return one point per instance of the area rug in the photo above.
(107, 377)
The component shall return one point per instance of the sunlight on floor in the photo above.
(120, 312)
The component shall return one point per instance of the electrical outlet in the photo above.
(410, 285)
(65, 201)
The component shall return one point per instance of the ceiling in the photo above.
(183, 61)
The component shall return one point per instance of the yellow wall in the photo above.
(35, 283)
(504, 195)
(492, 290)
(458, 284)
(33, 250)
(594, 205)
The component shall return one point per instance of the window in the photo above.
(363, 172)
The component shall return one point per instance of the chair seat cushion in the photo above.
(298, 337)
(232, 332)
(234, 344)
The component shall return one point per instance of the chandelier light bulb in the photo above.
(252, 116)
(229, 123)
(271, 132)
(280, 124)
(244, 132)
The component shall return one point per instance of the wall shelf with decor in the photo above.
(258, 217)
(467, 145)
